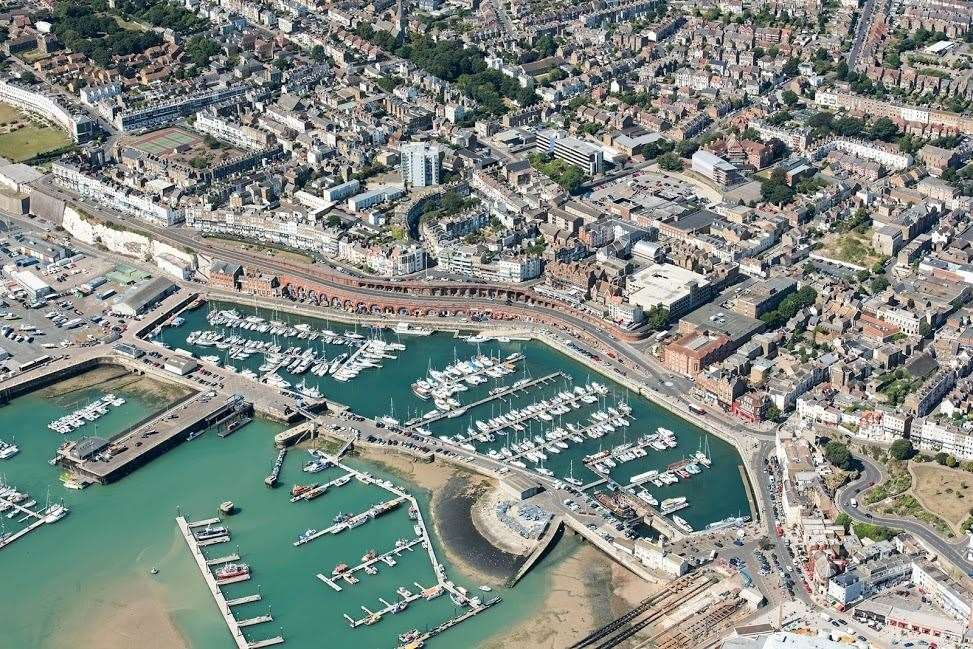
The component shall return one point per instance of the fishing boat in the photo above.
(231, 570)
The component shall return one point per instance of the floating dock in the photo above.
(493, 397)
(39, 520)
(385, 557)
(235, 626)
(372, 512)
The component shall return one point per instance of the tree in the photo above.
(687, 148)
(941, 457)
(772, 413)
(879, 284)
(657, 317)
(670, 162)
(838, 454)
(790, 97)
(790, 68)
(317, 53)
(884, 129)
(901, 449)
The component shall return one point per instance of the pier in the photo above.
(235, 626)
(443, 584)
(439, 416)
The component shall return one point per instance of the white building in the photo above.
(374, 197)
(714, 167)
(50, 108)
(934, 437)
(122, 199)
(584, 155)
(420, 164)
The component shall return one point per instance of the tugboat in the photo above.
(339, 569)
(231, 570)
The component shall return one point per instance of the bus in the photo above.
(37, 362)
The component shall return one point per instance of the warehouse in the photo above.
(140, 299)
(35, 287)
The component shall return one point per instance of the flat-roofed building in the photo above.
(583, 155)
(666, 285)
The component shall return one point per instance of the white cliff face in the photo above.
(123, 242)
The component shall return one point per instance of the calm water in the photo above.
(116, 534)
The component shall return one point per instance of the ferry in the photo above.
(210, 532)
(409, 636)
(299, 489)
(339, 569)
(673, 504)
(731, 521)
(306, 536)
(316, 465)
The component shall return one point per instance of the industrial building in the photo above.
(140, 299)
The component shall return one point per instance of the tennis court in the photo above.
(167, 140)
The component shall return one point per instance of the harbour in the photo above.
(397, 401)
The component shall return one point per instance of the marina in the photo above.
(291, 578)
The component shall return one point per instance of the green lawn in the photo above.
(30, 141)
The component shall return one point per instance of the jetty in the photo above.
(371, 513)
(235, 626)
(438, 416)
(106, 460)
(39, 518)
(271, 480)
(552, 532)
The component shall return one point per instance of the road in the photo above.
(956, 553)
(861, 32)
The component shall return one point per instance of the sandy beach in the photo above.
(129, 616)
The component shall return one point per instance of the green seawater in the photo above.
(65, 575)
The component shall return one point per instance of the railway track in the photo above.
(679, 591)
